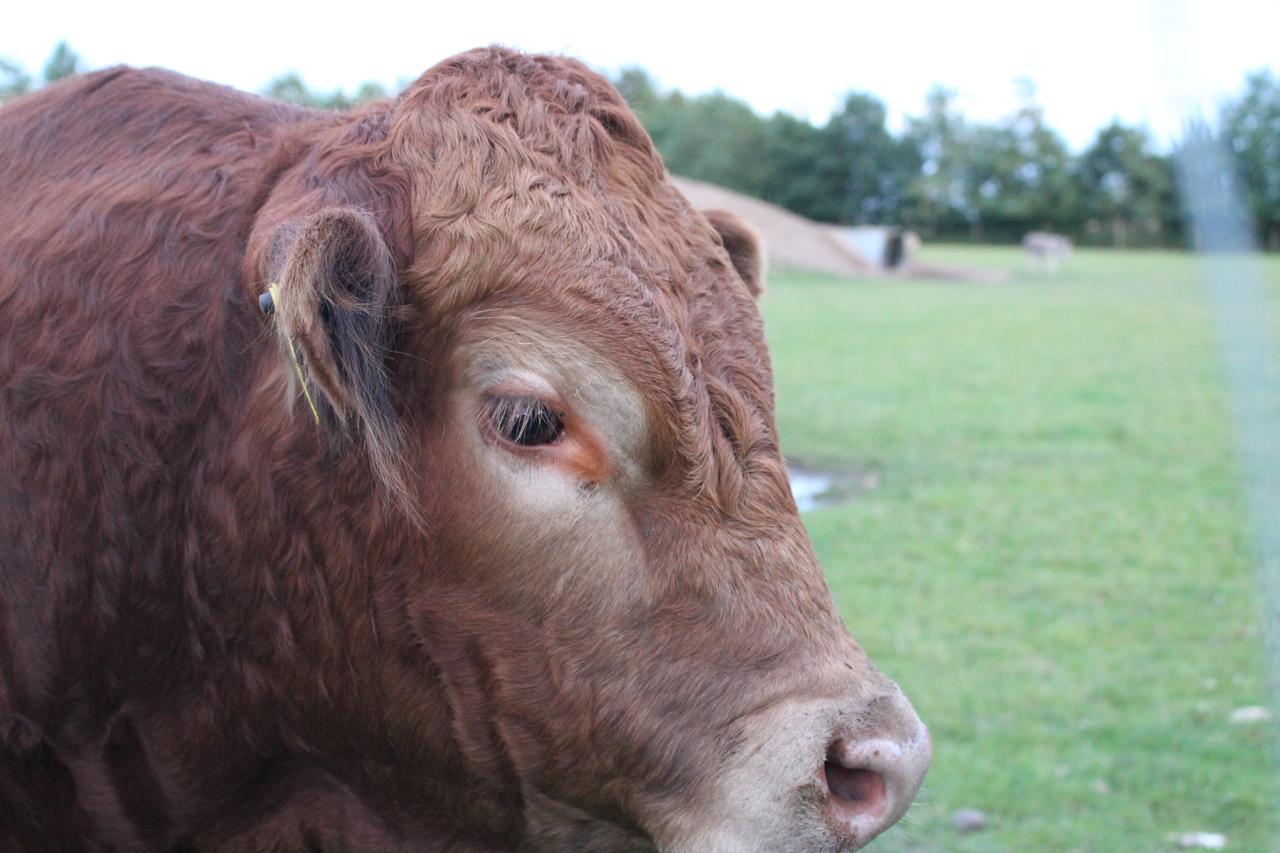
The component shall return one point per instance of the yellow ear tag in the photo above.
(274, 290)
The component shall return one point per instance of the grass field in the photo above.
(1055, 566)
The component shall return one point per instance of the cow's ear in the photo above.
(744, 246)
(334, 305)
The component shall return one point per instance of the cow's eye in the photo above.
(526, 421)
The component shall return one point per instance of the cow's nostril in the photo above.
(872, 770)
(853, 790)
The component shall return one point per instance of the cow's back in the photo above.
(125, 201)
(126, 198)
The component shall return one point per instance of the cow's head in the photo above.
(556, 370)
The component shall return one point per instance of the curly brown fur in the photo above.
(219, 626)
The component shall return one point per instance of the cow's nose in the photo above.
(874, 766)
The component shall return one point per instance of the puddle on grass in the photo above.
(814, 488)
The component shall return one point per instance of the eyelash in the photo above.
(525, 421)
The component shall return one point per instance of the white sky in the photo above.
(1144, 61)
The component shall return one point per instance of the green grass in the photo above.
(1056, 566)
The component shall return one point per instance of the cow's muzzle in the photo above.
(821, 774)
(870, 774)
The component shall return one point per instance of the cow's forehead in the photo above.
(542, 151)
(557, 107)
(532, 179)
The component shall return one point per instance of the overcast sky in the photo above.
(1148, 61)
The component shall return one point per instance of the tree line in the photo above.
(943, 175)
(955, 179)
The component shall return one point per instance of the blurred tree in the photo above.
(712, 138)
(990, 182)
(876, 169)
(850, 170)
(1039, 191)
(1128, 191)
(938, 197)
(637, 87)
(800, 171)
(370, 91)
(289, 87)
(62, 63)
(13, 81)
(1250, 127)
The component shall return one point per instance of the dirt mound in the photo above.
(790, 239)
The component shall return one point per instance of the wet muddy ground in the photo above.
(815, 488)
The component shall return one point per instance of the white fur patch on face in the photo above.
(562, 510)
(506, 353)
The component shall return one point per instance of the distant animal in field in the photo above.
(1046, 251)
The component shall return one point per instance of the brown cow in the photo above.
(531, 577)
